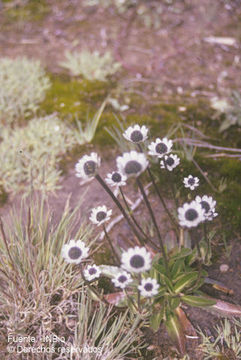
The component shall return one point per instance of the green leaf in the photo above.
(177, 268)
(192, 257)
(175, 331)
(174, 303)
(197, 301)
(155, 320)
(184, 281)
(160, 268)
(167, 282)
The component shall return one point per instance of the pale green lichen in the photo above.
(30, 154)
(91, 65)
(23, 87)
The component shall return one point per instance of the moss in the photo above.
(33, 10)
(69, 96)
(3, 196)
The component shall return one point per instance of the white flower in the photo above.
(100, 214)
(191, 182)
(136, 134)
(208, 205)
(132, 163)
(75, 251)
(170, 162)
(87, 166)
(136, 260)
(148, 287)
(92, 272)
(116, 179)
(190, 215)
(160, 147)
(122, 279)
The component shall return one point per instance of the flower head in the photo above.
(122, 279)
(208, 205)
(136, 260)
(191, 182)
(190, 215)
(92, 272)
(75, 251)
(160, 147)
(87, 166)
(116, 179)
(136, 134)
(100, 214)
(170, 162)
(132, 163)
(149, 287)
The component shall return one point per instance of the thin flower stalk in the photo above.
(171, 184)
(154, 221)
(111, 246)
(133, 217)
(117, 202)
(160, 196)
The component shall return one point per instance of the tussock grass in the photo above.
(36, 286)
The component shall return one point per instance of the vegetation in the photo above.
(18, 101)
(91, 65)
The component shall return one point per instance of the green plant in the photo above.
(156, 279)
(30, 154)
(23, 87)
(91, 65)
(36, 288)
(103, 334)
(86, 135)
(227, 344)
(231, 108)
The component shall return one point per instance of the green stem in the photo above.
(111, 246)
(170, 178)
(116, 201)
(137, 225)
(154, 222)
(160, 197)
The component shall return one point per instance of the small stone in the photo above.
(224, 268)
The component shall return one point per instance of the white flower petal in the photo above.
(136, 134)
(132, 163)
(136, 260)
(75, 251)
(190, 215)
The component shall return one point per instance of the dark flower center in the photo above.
(205, 205)
(92, 271)
(74, 252)
(137, 261)
(133, 167)
(161, 148)
(136, 136)
(169, 161)
(191, 214)
(122, 278)
(116, 177)
(191, 181)
(148, 287)
(101, 215)
(90, 167)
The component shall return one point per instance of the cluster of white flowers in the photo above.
(199, 210)
(130, 164)
(136, 260)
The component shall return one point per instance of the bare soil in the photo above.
(175, 57)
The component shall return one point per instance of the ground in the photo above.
(174, 61)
